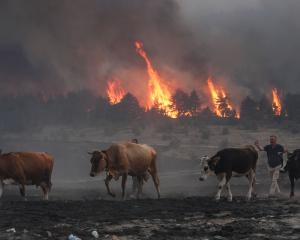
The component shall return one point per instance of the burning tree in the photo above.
(185, 105)
(276, 104)
(159, 93)
(224, 108)
(220, 101)
(114, 91)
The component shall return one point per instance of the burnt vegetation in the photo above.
(85, 109)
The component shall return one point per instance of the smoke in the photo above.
(60, 46)
(251, 43)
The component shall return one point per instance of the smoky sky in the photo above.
(59, 46)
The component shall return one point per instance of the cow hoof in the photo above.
(113, 195)
(217, 199)
(132, 196)
(229, 199)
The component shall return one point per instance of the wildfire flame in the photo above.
(159, 94)
(217, 96)
(276, 105)
(114, 91)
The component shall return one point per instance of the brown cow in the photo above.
(125, 159)
(26, 168)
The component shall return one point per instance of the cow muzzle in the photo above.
(92, 174)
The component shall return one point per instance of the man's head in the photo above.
(273, 139)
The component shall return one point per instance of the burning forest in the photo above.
(165, 99)
(174, 103)
(174, 66)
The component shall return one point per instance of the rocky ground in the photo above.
(187, 218)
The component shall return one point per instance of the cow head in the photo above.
(293, 158)
(207, 166)
(205, 169)
(98, 161)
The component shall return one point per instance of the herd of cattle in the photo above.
(138, 161)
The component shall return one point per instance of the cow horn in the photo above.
(90, 153)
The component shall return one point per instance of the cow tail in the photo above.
(48, 174)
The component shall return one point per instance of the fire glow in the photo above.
(276, 104)
(218, 99)
(114, 91)
(159, 94)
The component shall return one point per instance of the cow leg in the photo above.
(229, 197)
(22, 191)
(156, 183)
(140, 186)
(134, 186)
(251, 177)
(254, 194)
(45, 190)
(222, 183)
(292, 181)
(1, 188)
(124, 179)
(107, 180)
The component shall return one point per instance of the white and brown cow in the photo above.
(125, 159)
(26, 168)
(231, 162)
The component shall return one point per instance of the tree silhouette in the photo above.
(249, 109)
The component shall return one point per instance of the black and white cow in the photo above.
(293, 168)
(231, 162)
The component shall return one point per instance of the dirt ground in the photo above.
(79, 204)
(188, 218)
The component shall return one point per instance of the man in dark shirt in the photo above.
(275, 161)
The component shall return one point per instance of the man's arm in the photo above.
(256, 143)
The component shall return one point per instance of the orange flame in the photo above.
(114, 91)
(159, 93)
(217, 94)
(276, 105)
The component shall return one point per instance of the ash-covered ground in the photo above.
(79, 204)
(188, 218)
